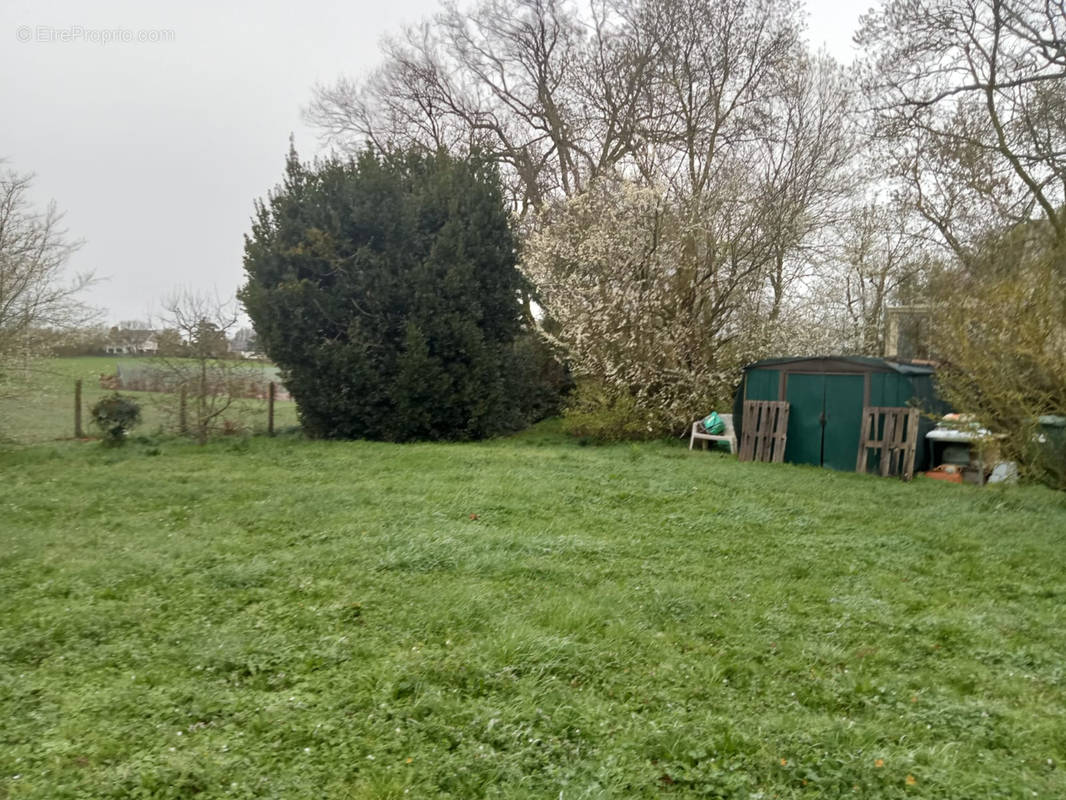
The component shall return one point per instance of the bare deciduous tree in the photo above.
(35, 292)
(808, 175)
(561, 94)
(970, 99)
(507, 77)
(204, 372)
(880, 258)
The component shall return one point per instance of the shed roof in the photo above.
(843, 364)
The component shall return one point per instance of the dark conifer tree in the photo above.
(386, 290)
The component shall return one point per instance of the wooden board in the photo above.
(892, 433)
(765, 431)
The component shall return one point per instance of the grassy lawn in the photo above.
(523, 618)
(45, 411)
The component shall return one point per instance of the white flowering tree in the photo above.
(648, 304)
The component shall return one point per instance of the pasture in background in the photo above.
(41, 407)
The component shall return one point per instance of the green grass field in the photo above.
(43, 408)
(522, 618)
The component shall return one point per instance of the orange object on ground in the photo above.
(941, 474)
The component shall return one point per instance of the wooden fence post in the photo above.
(183, 422)
(78, 433)
(270, 409)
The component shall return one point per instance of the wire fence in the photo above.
(244, 382)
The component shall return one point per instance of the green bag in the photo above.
(713, 424)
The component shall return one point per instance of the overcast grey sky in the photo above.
(156, 149)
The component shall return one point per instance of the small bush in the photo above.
(598, 413)
(115, 415)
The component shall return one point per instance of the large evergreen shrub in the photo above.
(385, 289)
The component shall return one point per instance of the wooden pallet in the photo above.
(765, 431)
(892, 433)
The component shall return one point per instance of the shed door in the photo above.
(843, 421)
(825, 419)
(806, 398)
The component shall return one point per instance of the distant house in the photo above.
(130, 341)
(244, 344)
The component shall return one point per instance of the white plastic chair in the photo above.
(728, 435)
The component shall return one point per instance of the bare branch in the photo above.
(35, 292)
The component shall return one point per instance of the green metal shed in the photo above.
(826, 396)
